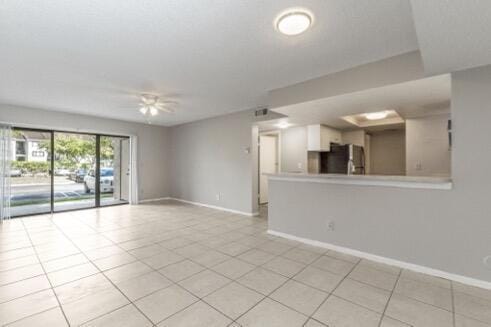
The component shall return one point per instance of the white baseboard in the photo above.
(154, 200)
(388, 261)
(249, 214)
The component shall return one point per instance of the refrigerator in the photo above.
(346, 159)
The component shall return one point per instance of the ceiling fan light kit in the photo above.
(151, 105)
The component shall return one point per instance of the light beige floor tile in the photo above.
(93, 306)
(272, 314)
(52, 318)
(473, 307)
(389, 322)
(285, 267)
(314, 323)
(27, 286)
(336, 266)
(163, 259)
(302, 256)
(14, 275)
(164, 303)
(114, 261)
(318, 278)
(462, 321)
(274, 247)
(204, 283)
(67, 275)
(233, 299)
(300, 297)
(419, 277)
(128, 271)
(417, 313)
(65, 262)
(473, 291)
(143, 285)
(127, 316)
(374, 277)
(425, 292)
(146, 251)
(181, 270)
(233, 268)
(197, 315)
(365, 295)
(18, 262)
(78, 289)
(26, 306)
(104, 252)
(233, 248)
(380, 266)
(192, 250)
(175, 243)
(256, 257)
(342, 256)
(262, 280)
(210, 258)
(312, 248)
(336, 312)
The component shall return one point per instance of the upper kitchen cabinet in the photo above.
(320, 137)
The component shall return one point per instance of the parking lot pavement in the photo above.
(37, 192)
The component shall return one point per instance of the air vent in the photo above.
(261, 112)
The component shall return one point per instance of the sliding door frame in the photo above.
(97, 203)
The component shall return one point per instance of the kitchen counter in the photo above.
(441, 183)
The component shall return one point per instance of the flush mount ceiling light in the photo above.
(294, 22)
(283, 124)
(376, 115)
(151, 105)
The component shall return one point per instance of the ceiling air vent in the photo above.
(261, 112)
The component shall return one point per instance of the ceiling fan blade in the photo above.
(168, 110)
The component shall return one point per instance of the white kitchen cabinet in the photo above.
(320, 137)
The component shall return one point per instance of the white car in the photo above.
(106, 182)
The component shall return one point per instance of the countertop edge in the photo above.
(365, 180)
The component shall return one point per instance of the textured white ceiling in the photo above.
(453, 35)
(410, 99)
(94, 57)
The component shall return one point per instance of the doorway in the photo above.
(268, 162)
(54, 171)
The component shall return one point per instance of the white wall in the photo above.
(388, 153)
(153, 141)
(427, 148)
(447, 230)
(294, 149)
(356, 137)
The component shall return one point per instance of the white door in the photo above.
(125, 169)
(267, 163)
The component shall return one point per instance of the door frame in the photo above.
(277, 134)
(97, 203)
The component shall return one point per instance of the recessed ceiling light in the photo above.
(283, 125)
(294, 22)
(376, 115)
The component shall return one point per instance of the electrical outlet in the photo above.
(299, 165)
(217, 196)
(418, 166)
(487, 261)
(330, 225)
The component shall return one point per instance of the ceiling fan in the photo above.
(151, 105)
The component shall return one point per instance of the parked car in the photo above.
(15, 173)
(106, 182)
(78, 175)
(62, 172)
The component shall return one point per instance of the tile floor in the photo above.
(170, 264)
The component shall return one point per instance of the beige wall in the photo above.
(427, 146)
(354, 137)
(387, 153)
(153, 141)
(441, 229)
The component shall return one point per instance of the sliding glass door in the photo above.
(74, 160)
(55, 171)
(30, 172)
(114, 170)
